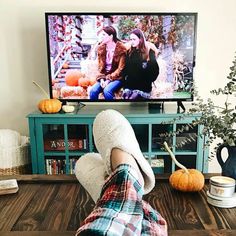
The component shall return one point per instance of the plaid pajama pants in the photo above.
(121, 210)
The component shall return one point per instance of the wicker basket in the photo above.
(15, 160)
(18, 170)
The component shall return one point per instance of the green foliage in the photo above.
(127, 24)
(150, 25)
(218, 121)
(155, 30)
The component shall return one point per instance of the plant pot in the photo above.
(229, 166)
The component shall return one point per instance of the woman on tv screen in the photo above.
(141, 68)
(111, 62)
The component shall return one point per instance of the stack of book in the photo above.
(8, 186)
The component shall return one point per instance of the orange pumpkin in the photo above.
(72, 77)
(84, 82)
(65, 65)
(186, 180)
(191, 180)
(49, 105)
(93, 80)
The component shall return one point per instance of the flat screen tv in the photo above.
(124, 57)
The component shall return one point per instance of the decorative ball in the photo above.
(68, 108)
(191, 181)
(50, 105)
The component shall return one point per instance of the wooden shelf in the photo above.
(148, 126)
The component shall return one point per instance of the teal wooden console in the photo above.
(58, 140)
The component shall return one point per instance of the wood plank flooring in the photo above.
(47, 206)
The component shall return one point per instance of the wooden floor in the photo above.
(56, 205)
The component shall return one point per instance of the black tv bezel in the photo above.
(195, 14)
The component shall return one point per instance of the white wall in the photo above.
(23, 47)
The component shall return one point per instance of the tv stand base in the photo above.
(180, 105)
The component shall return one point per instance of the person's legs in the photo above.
(111, 88)
(112, 130)
(119, 157)
(95, 90)
(120, 209)
(90, 171)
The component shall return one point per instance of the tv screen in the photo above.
(121, 56)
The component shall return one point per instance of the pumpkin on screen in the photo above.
(65, 65)
(72, 77)
(93, 80)
(84, 82)
(186, 180)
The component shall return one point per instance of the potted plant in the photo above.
(219, 121)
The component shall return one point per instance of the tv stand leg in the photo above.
(180, 105)
(63, 103)
(81, 105)
(77, 105)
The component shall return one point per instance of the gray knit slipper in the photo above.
(90, 172)
(112, 130)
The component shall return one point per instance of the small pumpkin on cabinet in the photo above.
(186, 180)
(48, 105)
